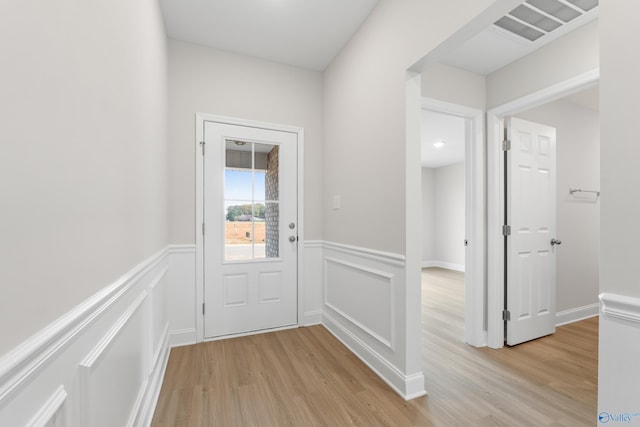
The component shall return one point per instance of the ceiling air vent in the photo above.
(535, 18)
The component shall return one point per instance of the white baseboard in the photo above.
(407, 387)
(576, 314)
(443, 264)
(312, 318)
(182, 337)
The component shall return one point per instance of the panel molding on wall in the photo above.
(354, 278)
(312, 279)
(52, 413)
(341, 272)
(126, 317)
(619, 351)
(102, 384)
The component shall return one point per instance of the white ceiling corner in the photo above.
(306, 34)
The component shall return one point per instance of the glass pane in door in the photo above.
(251, 190)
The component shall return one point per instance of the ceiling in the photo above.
(302, 33)
(310, 33)
(446, 128)
(497, 46)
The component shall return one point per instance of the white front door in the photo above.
(531, 215)
(250, 229)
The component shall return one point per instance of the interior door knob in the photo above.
(292, 239)
(556, 242)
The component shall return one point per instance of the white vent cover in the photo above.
(535, 18)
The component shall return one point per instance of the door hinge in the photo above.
(203, 309)
(466, 242)
(506, 144)
(506, 315)
(506, 230)
(202, 144)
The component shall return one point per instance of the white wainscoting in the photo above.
(363, 292)
(619, 353)
(101, 364)
(312, 283)
(181, 294)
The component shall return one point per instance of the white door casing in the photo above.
(256, 291)
(531, 216)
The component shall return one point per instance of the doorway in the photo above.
(463, 247)
(495, 194)
(247, 226)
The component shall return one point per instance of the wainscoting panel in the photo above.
(101, 364)
(181, 294)
(352, 289)
(113, 374)
(363, 307)
(619, 353)
(52, 414)
(312, 280)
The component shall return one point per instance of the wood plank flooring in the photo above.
(305, 377)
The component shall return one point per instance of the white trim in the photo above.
(442, 264)
(153, 387)
(181, 249)
(28, 358)
(495, 198)
(408, 387)
(182, 337)
(386, 257)
(389, 343)
(200, 118)
(99, 350)
(93, 359)
(313, 244)
(49, 410)
(474, 171)
(311, 318)
(250, 333)
(577, 314)
(620, 307)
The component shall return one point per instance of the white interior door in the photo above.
(531, 215)
(250, 229)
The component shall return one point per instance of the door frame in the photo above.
(474, 305)
(495, 194)
(201, 118)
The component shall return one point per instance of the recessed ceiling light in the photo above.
(438, 144)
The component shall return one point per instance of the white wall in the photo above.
(365, 163)
(428, 220)
(578, 216)
(450, 215)
(444, 206)
(215, 82)
(620, 176)
(567, 57)
(451, 84)
(83, 155)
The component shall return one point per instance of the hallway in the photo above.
(306, 377)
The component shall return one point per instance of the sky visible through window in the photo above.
(238, 187)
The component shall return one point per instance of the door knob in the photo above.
(292, 239)
(556, 242)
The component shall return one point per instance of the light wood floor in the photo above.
(305, 377)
